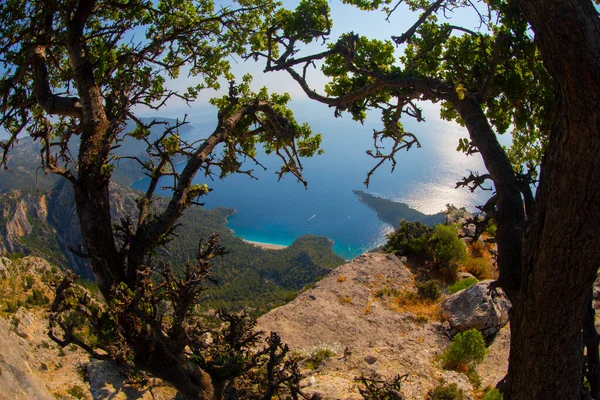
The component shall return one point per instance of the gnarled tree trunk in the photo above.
(562, 244)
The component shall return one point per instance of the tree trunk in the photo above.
(591, 340)
(561, 244)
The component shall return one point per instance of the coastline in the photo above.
(266, 246)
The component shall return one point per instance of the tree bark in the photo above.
(562, 245)
(591, 340)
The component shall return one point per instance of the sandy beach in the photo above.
(267, 246)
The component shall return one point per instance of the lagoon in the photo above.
(275, 212)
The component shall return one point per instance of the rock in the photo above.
(370, 359)
(477, 307)
(24, 323)
(35, 265)
(17, 380)
(464, 275)
(107, 381)
(4, 264)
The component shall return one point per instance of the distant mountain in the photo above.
(26, 175)
(394, 212)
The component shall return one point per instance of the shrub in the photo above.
(478, 267)
(467, 348)
(388, 292)
(445, 247)
(380, 388)
(492, 394)
(28, 282)
(463, 284)
(315, 356)
(76, 391)
(446, 392)
(37, 298)
(429, 290)
(409, 239)
(341, 279)
(477, 249)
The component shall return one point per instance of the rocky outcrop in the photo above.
(477, 307)
(344, 313)
(17, 380)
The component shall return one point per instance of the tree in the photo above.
(74, 72)
(545, 90)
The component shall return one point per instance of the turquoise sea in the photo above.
(279, 212)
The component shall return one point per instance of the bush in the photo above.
(467, 348)
(463, 284)
(429, 290)
(445, 247)
(410, 239)
(316, 360)
(477, 249)
(37, 298)
(478, 267)
(446, 392)
(492, 394)
(77, 392)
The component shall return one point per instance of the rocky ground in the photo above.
(344, 312)
(34, 367)
(353, 314)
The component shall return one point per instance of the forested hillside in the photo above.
(38, 217)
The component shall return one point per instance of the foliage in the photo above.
(232, 357)
(378, 388)
(467, 348)
(441, 245)
(315, 361)
(492, 394)
(410, 239)
(429, 291)
(76, 391)
(314, 356)
(479, 267)
(37, 298)
(445, 247)
(461, 285)
(445, 391)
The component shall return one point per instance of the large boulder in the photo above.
(477, 307)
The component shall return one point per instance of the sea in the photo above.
(278, 212)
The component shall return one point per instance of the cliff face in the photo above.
(46, 224)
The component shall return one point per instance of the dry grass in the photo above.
(345, 299)
(367, 308)
(410, 302)
(341, 279)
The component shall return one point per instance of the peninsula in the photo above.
(393, 212)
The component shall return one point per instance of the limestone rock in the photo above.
(107, 381)
(477, 307)
(464, 275)
(24, 323)
(342, 311)
(17, 380)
